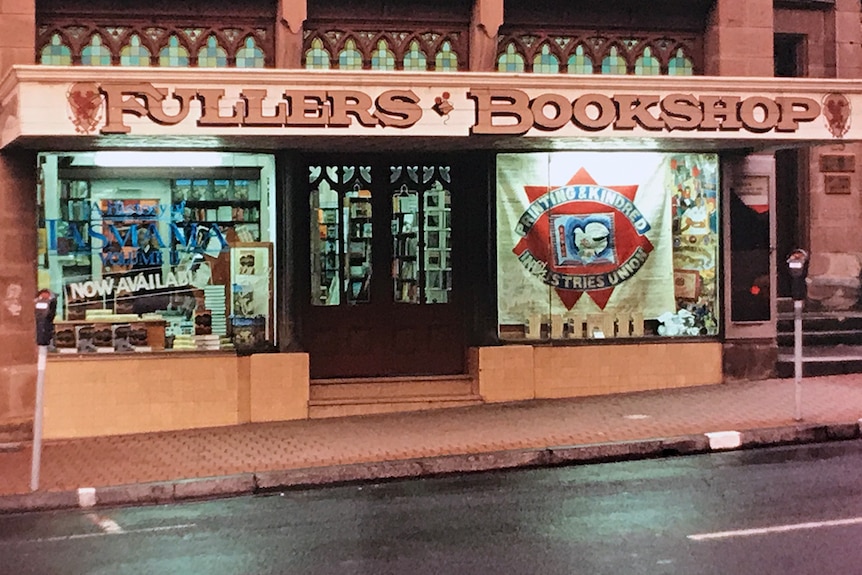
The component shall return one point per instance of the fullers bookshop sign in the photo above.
(489, 111)
(116, 103)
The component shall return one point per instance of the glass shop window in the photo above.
(421, 245)
(341, 235)
(598, 245)
(158, 251)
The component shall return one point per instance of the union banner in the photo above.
(584, 233)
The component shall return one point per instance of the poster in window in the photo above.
(129, 242)
(251, 279)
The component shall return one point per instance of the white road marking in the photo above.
(775, 529)
(107, 525)
(102, 534)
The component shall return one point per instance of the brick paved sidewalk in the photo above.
(169, 456)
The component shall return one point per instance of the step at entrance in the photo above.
(831, 342)
(364, 396)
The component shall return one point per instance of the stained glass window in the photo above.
(349, 58)
(414, 59)
(446, 60)
(510, 61)
(56, 53)
(382, 58)
(212, 55)
(95, 53)
(317, 58)
(134, 54)
(250, 56)
(680, 65)
(174, 54)
(545, 62)
(579, 62)
(647, 64)
(613, 63)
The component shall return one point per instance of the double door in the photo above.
(384, 290)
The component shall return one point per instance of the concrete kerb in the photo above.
(269, 481)
(800, 433)
(153, 493)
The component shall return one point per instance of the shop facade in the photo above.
(232, 246)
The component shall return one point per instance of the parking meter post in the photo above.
(36, 461)
(797, 357)
(797, 266)
(46, 309)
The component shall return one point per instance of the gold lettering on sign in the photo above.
(498, 111)
(513, 112)
(837, 163)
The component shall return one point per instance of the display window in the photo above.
(596, 245)
(158, 251)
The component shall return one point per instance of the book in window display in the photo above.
(64, 339)
(433, 220)
(139, 337)
(200, 190)
(103, 338)
(433, 259)
(221, 190)
(121, 337)
(251, 293)
(360, 208)
(84, 338)
(432, 240)
(182, 190)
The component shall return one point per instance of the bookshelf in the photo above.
(357, 216)
(75, 215)
(406, 265)
(227, 203)
(437, 252)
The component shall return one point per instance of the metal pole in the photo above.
(797, 356)
(37, 420)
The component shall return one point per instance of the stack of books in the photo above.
(214, 301)
(226, 343)
(209, 342)
(184, 342)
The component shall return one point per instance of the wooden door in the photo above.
(382, 297)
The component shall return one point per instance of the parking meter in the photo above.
(797, 266)
(46, 309)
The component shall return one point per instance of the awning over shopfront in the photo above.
(99, 108)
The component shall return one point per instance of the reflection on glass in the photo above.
(421, 245)
(356, 215)
(437, 234)
(749, 256)
(405, 246)
(325, 247)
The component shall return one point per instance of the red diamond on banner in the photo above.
(583, 237)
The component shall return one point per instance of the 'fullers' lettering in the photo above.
(295, 108)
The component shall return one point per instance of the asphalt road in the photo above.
(788, 511)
